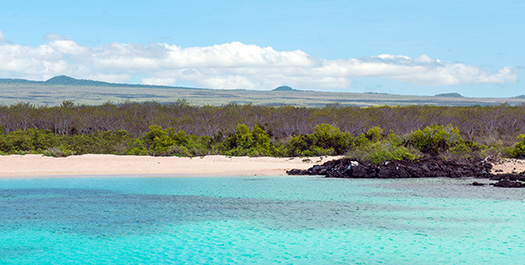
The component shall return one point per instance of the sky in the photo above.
(408, 47)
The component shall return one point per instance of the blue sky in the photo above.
(401, 47)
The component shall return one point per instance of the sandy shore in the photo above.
(14, 166)
(511, 165)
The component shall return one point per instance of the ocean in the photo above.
(259, 220)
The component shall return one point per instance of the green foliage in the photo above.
(108, 142)
(382, 151)
(248, 143)
(325, 140)
(28, 141)
(60, 151)
(359, 141)
(374, 134)
(326, 136)
(169, 142)
(372, 146)
(394, 139)
(518, 150)
(435, 139)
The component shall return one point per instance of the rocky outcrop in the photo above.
(507, 183)
(475, 183)
(426, 167)
(509, 176)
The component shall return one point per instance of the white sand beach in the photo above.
(35, 166)
(15, 166)
(510, 165)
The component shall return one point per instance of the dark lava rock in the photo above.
(425, 167)
(297, 172)
(475, 183)
(509, 176)
(507, 183)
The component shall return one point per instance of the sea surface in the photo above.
(259, 220)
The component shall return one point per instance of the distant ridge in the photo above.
(449, 95)
(64, 80)
(58, 89)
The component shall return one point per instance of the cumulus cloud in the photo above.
(2, 36)
(229, 65)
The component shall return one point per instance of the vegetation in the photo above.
(518, 150)
(179, 129)
(325, 140)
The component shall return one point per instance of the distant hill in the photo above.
(520, 97)
(449, 95)
(284, 88)
(70, 81)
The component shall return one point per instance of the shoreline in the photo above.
(39, 166)
(91, 165)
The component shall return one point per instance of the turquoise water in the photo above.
(259, 220)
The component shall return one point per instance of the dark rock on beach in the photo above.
(426, 167)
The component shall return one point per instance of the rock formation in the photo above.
(426, 167)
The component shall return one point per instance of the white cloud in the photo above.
(2, 36)
(159, 81)
(229, 65)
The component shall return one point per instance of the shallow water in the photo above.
(242, 220)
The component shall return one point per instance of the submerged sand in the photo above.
(104, 165)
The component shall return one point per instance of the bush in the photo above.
(108, 142)
(28, 141)
(248, 143)
(374, 134)
(325, 140)
(518, 150)
(60, 151)
(435, 139)
(380, 152)
(169, 142)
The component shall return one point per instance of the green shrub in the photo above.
(380, 152)
(108, 142)
(60, 151)
(325, 140)
(248, 143)
(137, 147)
(374, 134)
(435, 139)
(20, 141)
(518, 150)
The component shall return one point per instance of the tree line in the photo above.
(488, 125)
(373, 134)
(372, 146)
